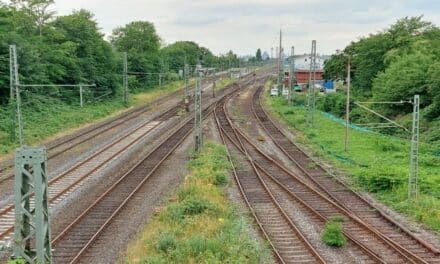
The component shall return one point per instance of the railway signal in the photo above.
(32, 227)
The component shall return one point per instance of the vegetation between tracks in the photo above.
(376, 162)
(49, 116)
(199, 225)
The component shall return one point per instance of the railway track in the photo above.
(70, 180)
(371, 244)
(340, 193)
(79, 236)
(58, 147)
(288, 243)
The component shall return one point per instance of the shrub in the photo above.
(166, 242)
(220, 179)
(332, 234)
(195, 205)
(333, 103)
(377, 180)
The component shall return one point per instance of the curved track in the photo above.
(71, 179)
(79, 236)
(403, 239)
(288, 243)
(87, 135)
(368, 241)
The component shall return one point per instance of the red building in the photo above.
(302, 76)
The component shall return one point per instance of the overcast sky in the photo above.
(244, 26)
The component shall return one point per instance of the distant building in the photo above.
(302, 67)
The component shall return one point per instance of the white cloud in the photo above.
(244, 26)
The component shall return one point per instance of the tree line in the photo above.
(71, 49)
(393, 65)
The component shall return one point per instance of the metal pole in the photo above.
(291, 75)
(198, 112)
(13, 61)
(312, 76)
(413, 188)
(347, 105)
(280, 70)
(213, 89)
(125, 78)
(81, 96)
(32, 227)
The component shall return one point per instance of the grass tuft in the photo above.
(332, 234)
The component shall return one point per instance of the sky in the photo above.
(244, 26)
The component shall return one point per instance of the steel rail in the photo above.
(184, 125)
(409, 256)
(351, 238)
(266, 189)
(87, 174)
(257, 99)
(94, 130)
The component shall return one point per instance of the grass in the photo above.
(47, 117)
(376, 163)
(199, 225)
(332, 234)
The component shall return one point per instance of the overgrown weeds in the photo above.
(200, 226)
(377, 163)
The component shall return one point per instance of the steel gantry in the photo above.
(413, 173)
(32, 228)
(413, 178)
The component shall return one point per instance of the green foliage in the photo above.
(332, 234)
(188, 231)
(166, 242)
(17, 261)
(332, 103)
(195, 205)
(376, 162)
(258, 55)
(401, 81)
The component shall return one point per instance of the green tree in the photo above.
(402, 80)
(38, 10)
(90, 58)
(258, 55)
(140, 40)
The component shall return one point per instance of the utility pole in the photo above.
(198, 136)
(291, 75)
(32, 227)
(413, 184)
(81, 96)
(280, 68)
(312, 78)
(15, 88)
(125, 78)
(347, 105)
